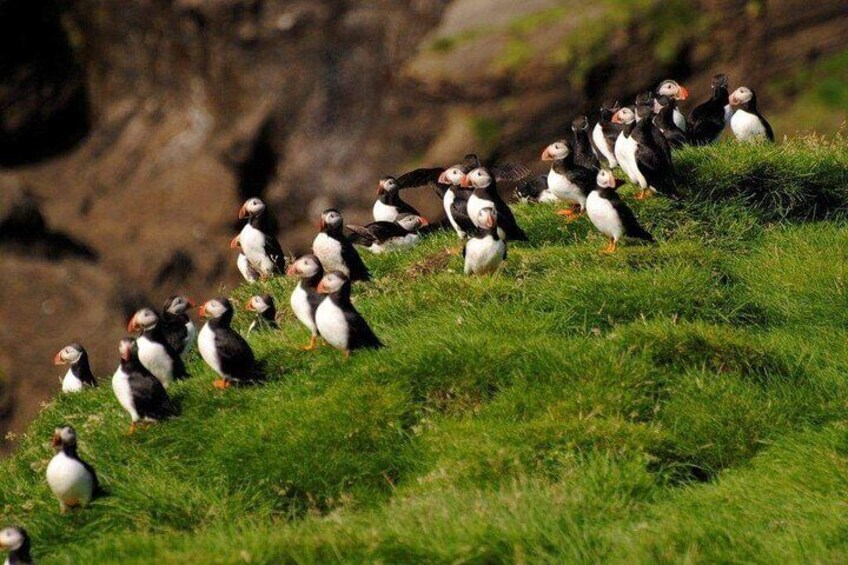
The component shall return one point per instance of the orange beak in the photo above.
(57, 360)
(380, 188)
(132, 326)
(616, 118)
(243, 212)
(190, 302)
(57, 440)
(547, 155)
(424, 222)
(683, 93)
(465, 183)
(249, 306)
(321, 288)
(443, 178)
(321, 224)
(292, 270)
(490, 221)
(202, 311)
(234, 243)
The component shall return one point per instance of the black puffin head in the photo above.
(144, 320)
(488, 218)
(260, 303)
(64, 439)
(743, 96)
(671, 89)
(251, 208)
(477, 178)
(332, 221)
(411, 222)
(580, 123)
(452, 175)
(607, 112)
(557, 150)
(624, 116)
(15, 540)
(218, 310)
(177, 305)
(661, 102)
(335, 283)
(72, 355)
(719, 81)
(606, 179)
(387, 185)
(306, 267)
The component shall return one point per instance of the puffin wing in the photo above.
(152, 400)
(532, 188)
(507, 221)
(509, 171)
(419, 177)
(656, 168)
(361, 334)
(459, 211)
(351, 258)
(360, 235)
(176, 334)
(769, 131)
(275, 252)
(632, 228)
(583, 177)
(235, 356)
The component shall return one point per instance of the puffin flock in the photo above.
(638, 139)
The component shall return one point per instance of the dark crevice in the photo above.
(176, 270)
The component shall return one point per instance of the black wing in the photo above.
(532, 188)
(97, 489)
(459, 211)
(404, 208)
(360, 235)
(351, 258)
(361, 334)
(706, 122)
(236, 356)
(509, 171)
(377, 232)
(275, 253)
(419, 177)
(176, 334)
(150, 398)
(656, 168)
(585, 179)
(769, 131)
(632, 228)
(507, 221)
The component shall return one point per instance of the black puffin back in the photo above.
(149, 397)
(632, 228)
(174, 329)
(707, 120)
(506, 219)
(157, 334)
(82, 370)
(234, 353)
(361, 335)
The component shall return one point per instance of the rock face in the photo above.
(130, 131)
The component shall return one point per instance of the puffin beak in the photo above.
(733, 100)
(190, 302)
(657, 107)
(234, 243)
(321, 288)
(443, 178)
(202, 311)
(617, 183)
(132, 326)
(292, 270)
(243, 212)
(424, 222)
(57, 440)
(683, 94)
(616, 118)
(57, 360)
(490, 222)
(380, 189)
(249, 306)
(321, 224)
(547, 155)
(465, 183)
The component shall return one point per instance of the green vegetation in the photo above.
(819, 92)
(685, 401)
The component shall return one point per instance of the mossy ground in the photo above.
(685, 401)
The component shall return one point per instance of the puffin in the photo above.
(257, 241)
(708, 120)
(455, 201)
(389, 204)
(72, 480)
(610, 215)
(378, 237)
(605, 133)
(486, 195)
(15, 540)
(535, 189)
(180, 331)
(79, 373)
(334, 249)
(338, 321)
(584, 153)
(246, 269)
(484, 252)
(266, 312)
(673, 90)
(138, 391)
(305, 297)
(154, 351)
(747, 123)
(567, 180)
(641, 156)
(223, 349)
(664, 119)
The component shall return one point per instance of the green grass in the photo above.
(680, 402)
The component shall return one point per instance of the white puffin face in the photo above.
(625, 116)
(305, 267)
(411, 222)
(178, 305)
(214, 308)
(332, 282)
(478, 178)
(387, 184)
(556, 150)
(741, 95)
(64, 436)
(144, 319)
(70, 354)
(452, 175)
(12, 538)
(253, 206)
(257, 304)
(606, 179)
(671, 89)
(487, 217)
(125, 348)
(331, 218)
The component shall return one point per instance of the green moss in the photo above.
(487, 132)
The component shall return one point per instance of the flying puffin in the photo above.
(389, 204)
(338, 321)
(79, 373)
(610, 215)
(180, 331)
(334, 249)
(305, 298)
(664, 119)
(378, 237)
(257, 241)
(567, 180)
(673, 90)
(584, 154)
(707, 120)
(15, 540)
(641, 156)
(605, 133)
(72, 480)
(137, 390)
(223, 349)
(266, 312)
(747, 123)
(154, 351)
(486, 196)
(484, 252)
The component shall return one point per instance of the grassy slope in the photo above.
(685, 401)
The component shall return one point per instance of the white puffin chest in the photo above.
(123, 392)
(329, 252)
(156, 359)
(252, 243)
(747, 126)
(206, 346)
(447, 203)
(245, 269)
(475, 204)
(191, 337)
(600, 142)
(69, 480)
(301, 307)
(679, 119)
(332, 325)
(483, 255)
(603, 216)
(384, 212)
(563, 188)
(70, 382)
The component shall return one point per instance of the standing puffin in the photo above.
(584, 154)
(334, 249)
(708, 119)
(389, 204)
(72, 480)
(15, 540)
(455, 201)
(305, 297)
(223, 349)
(180, 331)
(378, 237)
(605, 133)
(257, 241)
(486, 196)
(747, 123)
(664, 119)
(266, 312)
(154, 351)
(641, 156)
(610, 215)
(673, 90)
(484, 252)
(138, 391)
(338, 321)
(567, 180)
(79, 373)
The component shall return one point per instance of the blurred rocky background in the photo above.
(131, 130)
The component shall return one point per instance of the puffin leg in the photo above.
(643, 194)
(63, 509)
(610, 248)
(133, 428)
(313, 343)
(346, 354)
(221, 383)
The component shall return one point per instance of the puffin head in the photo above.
(671, 89)
(661, 102)
(741, 95)
(719, 81)
(487, 217)
(411, 222)
(69, 355)
(143, 320)
(331, 218)
(64, 436)
(126, 347)
(178, 305)
(556, 150)
(13, 538)
(252, 207)
(259, 303)
(386, 185)
(332, 282)
(215, 308)
(606, 179)
(477, 178)
(452, 175)
(305, 267)
(624, 116)
(580, 123)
